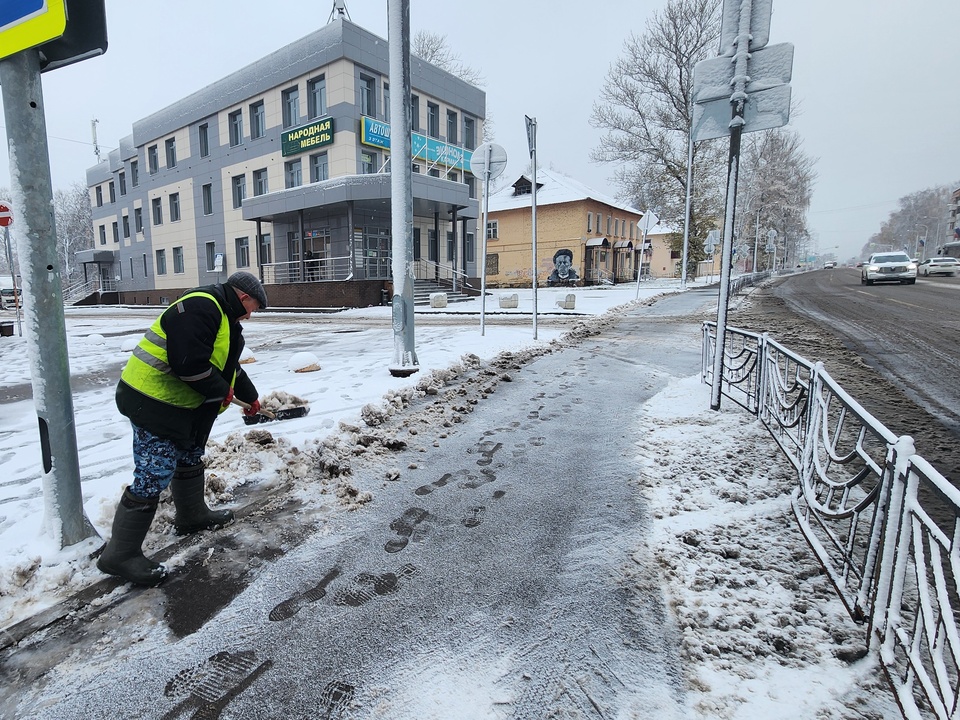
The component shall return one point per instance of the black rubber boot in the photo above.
(193, 514)
(123, 555)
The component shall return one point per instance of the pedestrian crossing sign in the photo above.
(27, 23)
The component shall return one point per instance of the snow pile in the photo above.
(303, 362)
(754, 608)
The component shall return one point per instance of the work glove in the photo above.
(254, 409)
(228, 399)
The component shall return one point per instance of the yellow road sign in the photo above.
(28, 23)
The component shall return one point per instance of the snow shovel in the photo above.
(265, 415)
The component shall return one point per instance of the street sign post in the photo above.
(38, 35)
(532, 143)
(488, 163)
(744, 90)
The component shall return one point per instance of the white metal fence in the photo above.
(883, 522)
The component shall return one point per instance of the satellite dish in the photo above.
(498, 160)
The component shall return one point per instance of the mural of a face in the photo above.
(563, 264)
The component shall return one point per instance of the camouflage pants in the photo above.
(155, 461)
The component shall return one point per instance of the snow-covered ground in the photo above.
(763, 634)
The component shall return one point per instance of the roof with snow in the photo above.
(552, 188)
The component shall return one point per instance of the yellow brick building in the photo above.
(583, 237)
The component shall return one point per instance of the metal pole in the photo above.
(483, 259)
(738, 100)
(533, 214)
(13, 280)
(32, 193)
(686, 212)
(756, 240)
(401, 189)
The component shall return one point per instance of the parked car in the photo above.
(939, 266)
(889, 267)
(9, 300)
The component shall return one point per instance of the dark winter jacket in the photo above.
(191, 327)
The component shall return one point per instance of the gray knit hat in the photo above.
(248, 283)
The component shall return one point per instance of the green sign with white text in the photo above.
(307, 137)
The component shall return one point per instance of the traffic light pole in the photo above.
(46, 335)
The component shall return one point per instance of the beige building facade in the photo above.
(583, 237)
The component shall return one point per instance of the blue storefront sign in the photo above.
(430, 150)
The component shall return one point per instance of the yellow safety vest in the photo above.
(148, 369)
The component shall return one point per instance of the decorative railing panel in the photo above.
(882, 521)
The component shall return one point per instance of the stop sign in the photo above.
(6, 215)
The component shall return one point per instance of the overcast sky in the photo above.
(875, 81)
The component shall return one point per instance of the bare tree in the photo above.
(436, 50)
(919, 226)
(775, 191)
(74, 222)
(646, 109)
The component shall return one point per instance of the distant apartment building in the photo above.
(283, 169)
(601, 238)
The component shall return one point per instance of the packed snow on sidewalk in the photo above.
(763, 634)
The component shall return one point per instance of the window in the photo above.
(122, 177)
(126, 225)
(161, 262)
(609, 221)
(266, 249)
(469, 248)
(317, 97)
(235, 121)
(415, 113)
(243, 252)
(433, 120)
(292, 173)
(632, 235)
(153, 160)
(131, 268)
(386, 102)
(206, 198)
(319, 169)
(258, 120)
(589, 222)
(451, 127)
(239, 185)
(145, 265)
(204, 136)
(138, 220)
(599, 223)
(493, 230)
(368, 163)
(368, 104)
(116, 232)
(113, 191)
(157, 206)
(469, 133)
(170, 146)
(134, 173)
(451, 246)
(260, 185)
(174, 207)
(178, 261)
(472, 185)
(291, 107)
(211, 248)
(99, 194)
(103, 234)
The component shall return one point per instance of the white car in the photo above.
(939, 266)
(889, 267)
